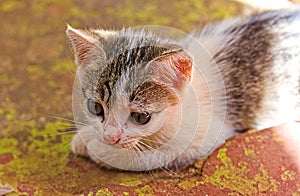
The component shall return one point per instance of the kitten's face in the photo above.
(130, 86)
(127, 112)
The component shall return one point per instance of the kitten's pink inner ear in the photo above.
(84, 46)
(181, 60)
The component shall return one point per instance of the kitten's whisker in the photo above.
(165, 169)
(64, 119)
(67, 129)
(57, 134)
(169, 171)
(142, 146)
(137, 147)
(148, 168)
(66, 126)
(160, 139)
(156, 142)
(133, 159)
(150, 147)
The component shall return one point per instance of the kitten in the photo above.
(149, 102)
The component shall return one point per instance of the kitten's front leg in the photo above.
(81, 139)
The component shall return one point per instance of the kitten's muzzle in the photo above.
(112, 137)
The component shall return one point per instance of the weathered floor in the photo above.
(36, 78)
(265, 162)
(256, 163)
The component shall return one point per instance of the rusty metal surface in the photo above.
(36, 78)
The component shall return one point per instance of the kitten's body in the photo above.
(247, 78)
(259, 61)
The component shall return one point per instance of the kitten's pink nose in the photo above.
(112, 138)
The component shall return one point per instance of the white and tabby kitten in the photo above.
(148, 102)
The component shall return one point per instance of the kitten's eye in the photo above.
(95, 108)
(140, 118)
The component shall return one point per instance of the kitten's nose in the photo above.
(112, 137)
(112, 130)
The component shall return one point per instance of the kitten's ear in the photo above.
(85, 46)
(176, 67)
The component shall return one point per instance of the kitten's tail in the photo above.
(264, 5)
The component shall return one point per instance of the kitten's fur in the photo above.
(258, 60)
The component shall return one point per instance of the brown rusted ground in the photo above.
(36, 78)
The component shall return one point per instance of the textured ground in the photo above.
(36, 78)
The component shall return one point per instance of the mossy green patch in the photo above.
(249, 152)
(11, 5)
(186, 184)
(90, 194)
(260, 137)
(234, 177)
(287, 175)
(41, 158)
(125, 194)
(145, 191)
(103, 192)
(129, 181)
(9, 146)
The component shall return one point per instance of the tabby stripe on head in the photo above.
(108, 88)
(124, 61)
(101, 92)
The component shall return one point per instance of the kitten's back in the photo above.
(260, 62)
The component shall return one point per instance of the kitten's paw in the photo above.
(78, 145)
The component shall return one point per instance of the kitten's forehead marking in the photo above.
(121, 65)
(152, 97)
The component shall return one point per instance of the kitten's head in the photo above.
(131, 83)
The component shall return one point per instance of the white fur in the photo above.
(279, 105)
